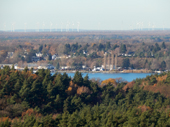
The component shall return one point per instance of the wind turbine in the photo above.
(25, 26)
(72, 26)
(12, 27)
(50, 26)
(149, 25)
(67, 26)
(43, 25)
(78, 25)
(61, 26)
(137, 25)
(141, 26)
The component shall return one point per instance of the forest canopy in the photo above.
(42, 99)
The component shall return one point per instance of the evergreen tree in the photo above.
(29, 121)
(163, 65)
(57, 66)
(64, 120)
(163, 45)
(26, 69)
(17, 86)
(108, 46)
(7, 123)
(78, 79)
(86, 81)
(48, 121)
(126, 63)
(72, 121)
(12, 67)
(123, 48)
(25, 90)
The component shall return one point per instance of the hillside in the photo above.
(42, 100)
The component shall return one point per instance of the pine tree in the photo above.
(25, 90)
(17, 86)
(78, 79)
(72, 121)
(65, 106)
(7, 123)
(26, 69)
(65, 80)
(58, 103)
(64, 120)
(13, 68)
(163, 45)
(86, 81)
(29, 121)
(49, 122)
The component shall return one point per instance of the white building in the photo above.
(54, 57)
(46, 66)
(39, 54)
(97, 68)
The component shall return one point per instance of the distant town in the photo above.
(109, 51)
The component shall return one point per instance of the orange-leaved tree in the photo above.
(109, 81)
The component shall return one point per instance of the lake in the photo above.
(126, 76)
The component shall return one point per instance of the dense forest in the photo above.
(45, 100)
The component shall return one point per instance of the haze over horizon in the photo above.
(84, 14)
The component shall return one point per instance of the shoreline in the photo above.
(110, 72)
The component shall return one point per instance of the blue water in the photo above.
(125, 76)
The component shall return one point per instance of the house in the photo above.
(69, 56)
(39, 54)
(3, 65)
(10, 54)
(84, 52)
(35, 58)
(46, 66)
(131, 53)
(97, 68)
(32, 65)
(54, 57)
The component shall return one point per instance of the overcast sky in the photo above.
(91, 14)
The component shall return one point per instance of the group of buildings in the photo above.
(35, 66)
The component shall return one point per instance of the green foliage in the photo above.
(49, 56)
(163, 45)
(163, 65)
(126, 63)
(57, 66)
(153, 80)
(40, 48)
(78, 79)
(93, 55)
(123, 48)
(107, 105)
(5, 124)
(108, 46)
(156, 48)
(67, 48)
(115, 46)
(101, 47)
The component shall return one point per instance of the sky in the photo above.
(84, 14)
